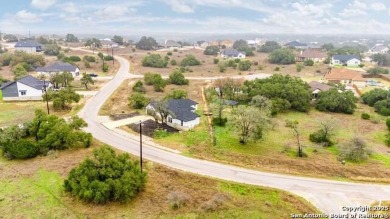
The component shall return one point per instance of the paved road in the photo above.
(329, 196)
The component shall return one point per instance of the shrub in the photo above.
(211, 50)
(334, 101)
(177, 199)
(219, 121)
(356, 150)
(108, 58)
(282, 56)
(299, 67)
(361, 65)
(244, 65)
(105, 68)
(383, 107)
(89, 58)
(137, 101)
(106, 177)
(74, 58)
(169, 53)
(374, 96)
(173, 62)
(155, 61)
(388, 123)
(320, 137)
(309, 62)
(387, 139)
(277, 69)
(175, 50)
(139, 87)
(87, 65)
(21, 149)
(160, 133)
(222, 68)
(215, 61)
(378, 70)
(189, 60)
(176, 94)
(365, 116)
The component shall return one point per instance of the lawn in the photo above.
(34, 189)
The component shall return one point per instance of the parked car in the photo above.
(93, 75)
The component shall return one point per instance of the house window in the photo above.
(23, 92)
(170, 119)
(181, 122)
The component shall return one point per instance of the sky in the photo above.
(137, 17)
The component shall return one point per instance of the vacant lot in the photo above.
(208, 68)
(277, 151)
(34, 189)
(119, 100)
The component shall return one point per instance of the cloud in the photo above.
(179, 6)
(310, 9)
(69, 7)
(378, 6)
(24, 16)
(42, 4)
(114, 12)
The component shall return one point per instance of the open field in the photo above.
(13, 113)
(208, 68)
(119, 100)
(34, 189)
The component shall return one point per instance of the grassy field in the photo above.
(277, 151)
(208, 68)
(34, 189)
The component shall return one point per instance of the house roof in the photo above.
(314, 85)
(295, 44)
(57, 67)
(171, 43)
(231, 52)
(344, 74)
(313, 53)
(181, 108)
(345, 58)
(378, 48)
(28, 43)
(27, 80)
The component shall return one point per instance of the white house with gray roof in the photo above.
(378, 49)
(29, 46)
(232, 53)
(182, 114)
(24, 89)
(346, 60)
(58, 67)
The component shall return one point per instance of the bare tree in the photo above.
(294, 126)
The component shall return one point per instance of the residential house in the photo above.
(182, 114)
(346, 60)
(170, 44)
(58, 67)
(296, 45)
(317, 87)
(316, 55)
(378, 49)
(108, 44)
(24, 89)
(232, 53)
(345, 76)
(28, 46)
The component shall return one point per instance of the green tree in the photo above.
(383, 107)
(269, 46)
(286, 92)
(211, 50)
(71, 38)
(242, 45)
(249, 122)
(52, 50)
(155, 61)
(10, 38)
(87, 79)
(159, 85)
(19, 71)
(335, 101)
(178, 78)
(94, 43)
(282, 56)
(381, 59)
(63, 98)
(118, 39)
(374, 96)
(137, 101)
(377, 71)
(139, 87)
(327, 46)
(244, 65)
(189, 60)
(176, 94)
(325, 133)
(309, 62)
(106, 177)
(146, 43)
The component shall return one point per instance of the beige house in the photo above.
(316, 55)
(345, 76)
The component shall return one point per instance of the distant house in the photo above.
(378, 49)
(107, 43)
(232, 53)
(24, 89)
(296, 45)
(202, 44)
(317, 87)
(346, 60)
(345, 76)
(58, 67)
(182, 114)
(316, 55)
(28, 46)
(170, 44)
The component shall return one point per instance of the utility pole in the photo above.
(47, 100)
(140, 143)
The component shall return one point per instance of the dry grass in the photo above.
(117, 103)
(33, 188)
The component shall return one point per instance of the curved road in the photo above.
(329, 196)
